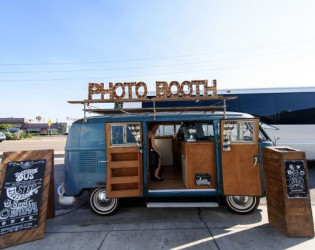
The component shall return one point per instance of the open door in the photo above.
(124, 160)
(239, 153)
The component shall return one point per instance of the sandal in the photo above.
(154, 178)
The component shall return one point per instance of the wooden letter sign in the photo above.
(24, 183)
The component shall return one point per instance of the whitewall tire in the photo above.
(242, 204)
(102, 205)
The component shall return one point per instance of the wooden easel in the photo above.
(47, 203)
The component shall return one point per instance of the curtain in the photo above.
(228, 127)
(136, 132)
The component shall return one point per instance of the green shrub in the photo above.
(34, 134)
(26, 135)
(54, 132)
(19, 135)
(5, 126)
(12, 136)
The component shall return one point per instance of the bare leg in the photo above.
(157, 171)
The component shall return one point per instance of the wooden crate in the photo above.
(287, 191)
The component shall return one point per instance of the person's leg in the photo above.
(157, 171)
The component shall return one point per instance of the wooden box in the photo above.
(198, 165)
(287, 191)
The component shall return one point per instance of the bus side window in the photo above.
(242, 132)
(117, 135)
(130, 139)
(207, 129)
(121, 135)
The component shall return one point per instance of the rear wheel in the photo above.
(242, 204)
(102, 205)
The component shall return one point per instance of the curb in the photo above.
(56, 155)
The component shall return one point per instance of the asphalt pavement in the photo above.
(138, 227)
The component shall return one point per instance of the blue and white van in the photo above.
(203, 153)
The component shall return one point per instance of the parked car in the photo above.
(2, 137)
(13, 130)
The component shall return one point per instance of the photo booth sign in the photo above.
(25, 180)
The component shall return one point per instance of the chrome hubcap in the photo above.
(241, 202)
(102, 202)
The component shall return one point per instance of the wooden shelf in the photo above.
(124, 164)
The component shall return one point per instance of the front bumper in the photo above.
(64, 200)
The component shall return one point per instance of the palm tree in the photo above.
(38, 118)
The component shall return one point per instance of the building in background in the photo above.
(35, 127)
(15, 122)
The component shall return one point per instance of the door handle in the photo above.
(256, 159)
(103, 161)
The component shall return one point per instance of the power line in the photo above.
(142, 67)
(126, 76)
(150, 58)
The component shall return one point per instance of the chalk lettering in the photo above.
(26, 174)
(16, 209)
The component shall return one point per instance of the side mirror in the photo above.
(276, 138)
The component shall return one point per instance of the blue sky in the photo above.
(51, 50)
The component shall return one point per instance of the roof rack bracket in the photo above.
(154, 111)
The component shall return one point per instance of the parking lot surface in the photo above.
(138, 227)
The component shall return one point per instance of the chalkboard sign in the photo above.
(202, 179)
(26, 195)
(21, 195)
(295, 174)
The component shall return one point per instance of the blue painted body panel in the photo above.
(261, 145)
(218, 156)
(85, 152)
(186, 193)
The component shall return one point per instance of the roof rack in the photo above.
(90, 109)
(150, 110)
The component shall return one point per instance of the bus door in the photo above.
(124, 160)
(239, 157)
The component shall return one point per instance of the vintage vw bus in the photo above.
(203, 153)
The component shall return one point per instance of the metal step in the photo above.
(182, 204)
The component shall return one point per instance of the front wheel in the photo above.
(242, 204)
(102, 205)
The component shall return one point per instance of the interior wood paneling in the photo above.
(200, 159)
(165, 147)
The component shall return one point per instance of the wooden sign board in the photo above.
(25, 180)
(125, 91)
(287, 191)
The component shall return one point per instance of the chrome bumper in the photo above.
(64, 200)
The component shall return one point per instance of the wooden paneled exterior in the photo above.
(293, 217)
(199, 159)
(124, 170)
(240, 175)
(47, 197)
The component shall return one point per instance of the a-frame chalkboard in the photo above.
(26, 184)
